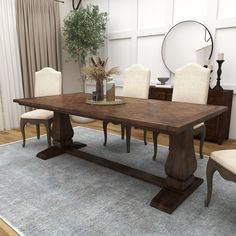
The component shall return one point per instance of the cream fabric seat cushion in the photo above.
(226, 158)
(198, 126)
(38, 114)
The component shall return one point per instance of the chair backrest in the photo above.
(136, 81)
(191, 84)
(47, 82)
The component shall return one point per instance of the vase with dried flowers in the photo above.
(96, 71)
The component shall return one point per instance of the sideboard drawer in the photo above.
(160, 93)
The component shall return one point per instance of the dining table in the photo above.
(172, 118)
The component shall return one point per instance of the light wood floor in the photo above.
(6, 230)
(14, 135)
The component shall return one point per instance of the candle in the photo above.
(220, 56)
(210, 66)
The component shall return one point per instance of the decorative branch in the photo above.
(97, 69)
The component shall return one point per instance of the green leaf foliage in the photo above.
(84, 31)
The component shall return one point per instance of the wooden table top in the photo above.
(167, 117)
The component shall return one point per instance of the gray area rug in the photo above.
(70, 196)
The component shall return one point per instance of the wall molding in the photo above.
(226, 23)
(152, 32)
(120, 35)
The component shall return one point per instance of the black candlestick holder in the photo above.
(219, 72)
(210, 81)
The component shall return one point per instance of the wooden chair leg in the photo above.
(22, 128)
(104, 124)
(48, 129)
(145, 136)
(154, 137)
(38, 130)
(202, 139)
(122, 131)
(128, 136)
(209, 174)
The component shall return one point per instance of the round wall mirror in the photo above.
(187, 42)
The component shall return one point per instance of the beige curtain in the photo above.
(38, 27)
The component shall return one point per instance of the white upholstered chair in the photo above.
(191, 85)
(47, 82)
(136, 81)
(135, 84)
(224, 162)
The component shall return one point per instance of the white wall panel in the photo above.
(190, 10)
(120, 15)
(119, 53)
(149, 54)
(152, 13)
(226, 9)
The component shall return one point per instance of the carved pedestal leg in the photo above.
(180, 167)
(62, 134)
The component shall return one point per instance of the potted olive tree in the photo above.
(84, 32)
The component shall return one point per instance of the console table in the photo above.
(217, 129)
